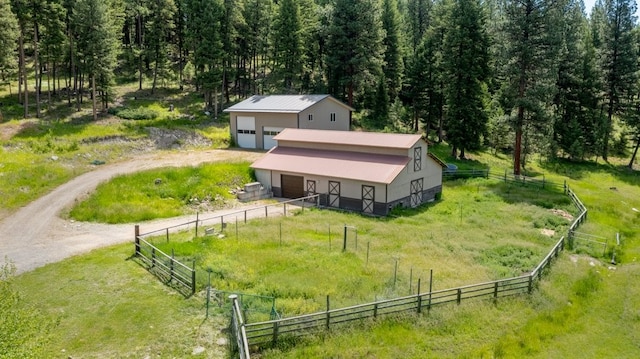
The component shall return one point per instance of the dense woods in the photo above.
(525, 77)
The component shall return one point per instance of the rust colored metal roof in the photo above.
(358, 166)
(367, 139)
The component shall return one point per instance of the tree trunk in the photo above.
(36, 68)
(23, 74)
(607, 131)
(635, 152)
(93, 95)
(155, 71)
(517, 151)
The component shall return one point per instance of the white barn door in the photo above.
(267, 137)
(246, 131)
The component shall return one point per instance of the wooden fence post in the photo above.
(167, 235)
(419, 298)
(171, 265)
(375, 309)
(459, 297)
(197, 216)
(275, 331)
(530, 285)
(328, 320)
(137, 239)
(285, 209)
(495, 291)
(153, 256)
(193, 278)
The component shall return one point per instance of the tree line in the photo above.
(525, 76)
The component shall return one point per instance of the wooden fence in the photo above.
(263, 333)
(183, 277)
(503, 177)
(166, 267)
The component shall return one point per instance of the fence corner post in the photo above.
(193, 278)
(137, 239)
(530, 284)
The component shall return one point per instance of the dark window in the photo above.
(333, 117)
(310, 117)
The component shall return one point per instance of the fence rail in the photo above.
(504, 177)
(166, 267)
(270, 331)
(266, 332)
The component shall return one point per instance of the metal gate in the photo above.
(311, 187)
(416, 192)
(334, 194)
(368, 198)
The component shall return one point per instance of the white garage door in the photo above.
(246, 131)
(267, 136)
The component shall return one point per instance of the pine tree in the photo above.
(160, 28)
(619, 62)
(287, 45)
(417, 21)
(393, 66)
(96, 29)
(203, 33)
(21, 10)
(466, 60)
(531, 43)
(8, 39)
(354, 49)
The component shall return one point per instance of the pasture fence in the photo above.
(179, 275)
(166, 267)
(269, 332)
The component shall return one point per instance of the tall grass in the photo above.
(163, 193)
(300, 259)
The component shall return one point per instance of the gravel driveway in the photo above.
(35, 235)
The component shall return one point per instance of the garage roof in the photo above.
(367, 139)
(279, 103)
(358, 166)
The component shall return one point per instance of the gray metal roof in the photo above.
(366, 139)
(277, 103)
(369, 167)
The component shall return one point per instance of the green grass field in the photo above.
(104, 304)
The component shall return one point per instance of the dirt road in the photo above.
(35, 235)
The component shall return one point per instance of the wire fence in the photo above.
(269, 332)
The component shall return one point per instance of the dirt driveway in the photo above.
(35, 235)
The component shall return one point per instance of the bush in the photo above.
(139, 113)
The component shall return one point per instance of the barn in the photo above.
(255, 121)
(357, 171)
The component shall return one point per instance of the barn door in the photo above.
(292, 186)
(334, 194)
(416, 192)
(311, 187)
(368, 198)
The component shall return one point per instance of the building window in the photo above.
(270, 133)
(332, 117)
(247, 132)
(417, 159)
(310, 117)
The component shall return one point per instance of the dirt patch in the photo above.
(175, 139)
(562, 213)
(548, 232)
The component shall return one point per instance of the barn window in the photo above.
(417, 159)
(310, 117)
(332, 117)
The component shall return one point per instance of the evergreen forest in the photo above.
(525, 77)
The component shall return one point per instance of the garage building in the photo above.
(357, 171)
(255, 121)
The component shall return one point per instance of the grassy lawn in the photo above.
(103, 304)
(163, 193)
(65, 143)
